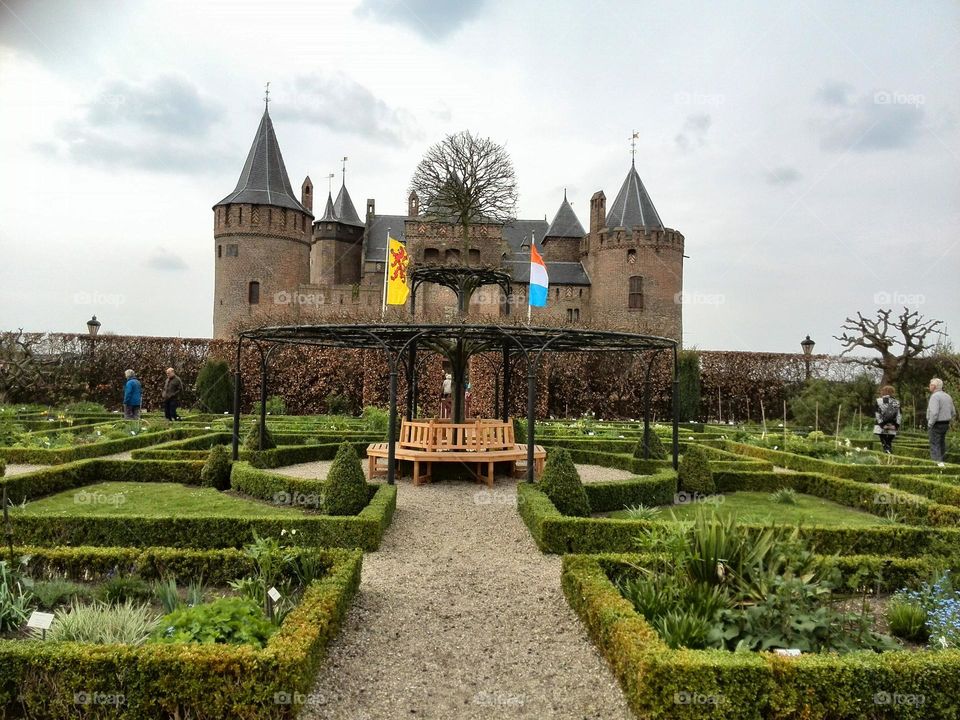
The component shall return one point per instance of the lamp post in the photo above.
(93, 327)
(807, 345)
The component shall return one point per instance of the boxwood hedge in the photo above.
(204, 682)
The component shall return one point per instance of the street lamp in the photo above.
(807, 345)
(93, 326)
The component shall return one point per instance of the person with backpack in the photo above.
(888, 418)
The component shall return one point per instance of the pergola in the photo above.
(401, 343)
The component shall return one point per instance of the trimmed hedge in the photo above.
(39, 456)
(660, 682)
(931, 486)
(295, 454)
(204, 682)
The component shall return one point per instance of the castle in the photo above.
(276, 261)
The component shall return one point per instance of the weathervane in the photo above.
(633, 147)
(266, 97)
(330, 178)
(344, 171)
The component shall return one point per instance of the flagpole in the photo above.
(386, 274)
(533, 242)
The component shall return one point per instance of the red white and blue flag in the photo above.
(539, 280)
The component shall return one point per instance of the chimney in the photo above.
(413, 205)
(598, 211)
(371, 209)
(306, 194)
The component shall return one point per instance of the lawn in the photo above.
(152, 500)
(758, 508)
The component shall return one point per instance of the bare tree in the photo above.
(468, 180)
(897, 340)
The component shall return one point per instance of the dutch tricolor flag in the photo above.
(539, 281)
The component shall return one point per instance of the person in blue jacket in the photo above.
(132, 397)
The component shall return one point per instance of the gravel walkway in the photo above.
(23, 469)
(459, 616)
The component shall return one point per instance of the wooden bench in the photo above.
(480, 443)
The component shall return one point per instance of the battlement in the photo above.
(264, 220)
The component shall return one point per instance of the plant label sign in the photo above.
(40, 620)
(274, 594)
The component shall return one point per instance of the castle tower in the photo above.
(337, 253)
(261, 240)
(635, 262)
(562, 241)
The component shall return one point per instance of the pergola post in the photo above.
(676, 409)
(236, 402)
(531, 412)
(411, 379)
(646, 408)
(506, 382)
(392, 431)
(263, 398)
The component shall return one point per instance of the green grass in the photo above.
(758, 508)
(152, 500)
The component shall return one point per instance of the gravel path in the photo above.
(459, 616)
(23, 469)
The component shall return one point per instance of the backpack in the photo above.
(888, 412)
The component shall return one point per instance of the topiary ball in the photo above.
(561, 483)
(346, 487)
(216, 471)
(657, 451)
(252, 441)
(695, 474)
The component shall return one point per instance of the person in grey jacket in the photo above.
(940, 411)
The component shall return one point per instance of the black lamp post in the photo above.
(807, 345)
(93, 327)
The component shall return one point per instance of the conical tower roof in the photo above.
(328, 212)
(263, 180)
(343, 209)
(565, 222)
(633, 205)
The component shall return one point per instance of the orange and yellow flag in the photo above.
(397, 288)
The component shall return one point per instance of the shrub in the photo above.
(215, 387)
(234, 621)
(346, 487)
(124, 589)
(694, 473)
(275, 406)
(3, 467)
(642, 512)
(519, 430)
(85, 408)
(103, 623)
(252, 441)
(338, 404)
(14, 598)
(166, 593)
(784, 496)
(561, 483)
(689, 377)
(51, 593)
(656, 449)
(376, 420)
(216, 471)
(908, 620)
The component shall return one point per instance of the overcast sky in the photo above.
(808, 151)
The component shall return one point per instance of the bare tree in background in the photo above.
(468, 180)
(897, 340)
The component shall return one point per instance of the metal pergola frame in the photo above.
(400, 342)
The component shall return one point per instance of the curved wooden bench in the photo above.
(481, 443)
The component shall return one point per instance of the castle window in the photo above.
(269, 217)
(581, 292)
(219, 251)
(232, 251)
(573, 314)
(556, 293)
(632, 256)
(240, 215)
(452, 256)
(636, 293)
(474, 256)
(431, 255)
(253, 293)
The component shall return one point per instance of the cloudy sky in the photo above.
(808, 151)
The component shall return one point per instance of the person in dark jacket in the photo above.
(172, 389)
(132, 396)
(888, 418)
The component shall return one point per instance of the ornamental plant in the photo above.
(561, 483)
(234, 621)
(216, 471)
(656, 449)
(346, 487)
(252, 441)
(694, 473)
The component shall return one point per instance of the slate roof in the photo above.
(377, 235)
(344, 211)
(263, 180)
(633, 205)
(328, 213)
(565, 222)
